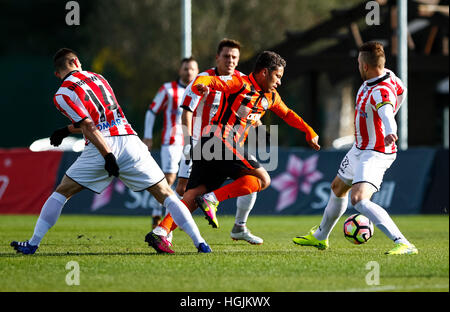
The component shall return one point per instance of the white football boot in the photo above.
(243, 233)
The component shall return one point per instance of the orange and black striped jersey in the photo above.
(243, 105)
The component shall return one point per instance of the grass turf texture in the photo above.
(113, 256)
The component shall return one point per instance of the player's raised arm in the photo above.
(294, 120)
(227, 84)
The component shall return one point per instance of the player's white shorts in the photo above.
(137, 168)
(365, 166)
(170, 157)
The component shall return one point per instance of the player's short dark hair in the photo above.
(187, 60)
(62, 58)
(228, 43)
(269, 60)
(372, 53)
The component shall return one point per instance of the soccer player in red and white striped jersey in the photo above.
(363, 167)
(83, 95)
(112, 149)
(197, 114)
(375, 93)
(167, 101)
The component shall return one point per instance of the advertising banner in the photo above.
(300, 185)
(27, 179)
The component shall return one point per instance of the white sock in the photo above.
(211, 197)
(244, 205)
(333, 211)
(50, 213)
(160, 231)
(381, 219)
(183, 218)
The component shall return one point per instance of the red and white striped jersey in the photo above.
(84, 95)
(168, 100)
(203, 107)
(373, 94)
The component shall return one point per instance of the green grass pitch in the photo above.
(113, 256)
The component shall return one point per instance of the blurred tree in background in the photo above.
(135, 44)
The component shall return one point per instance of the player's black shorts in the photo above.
(214, 172)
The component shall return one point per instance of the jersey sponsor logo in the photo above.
(225, 78)
(362, 113)
(254, 117)
(106, 125)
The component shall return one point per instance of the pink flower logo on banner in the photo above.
(299, 175)
(104, 198)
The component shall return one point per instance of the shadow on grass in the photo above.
(181, 253)
(65, 254)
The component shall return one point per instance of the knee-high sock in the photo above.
(242, 186)
(333, 211)
(381, 219)
(244, 205)
(50, 213)
(182, 216)
(168, 224)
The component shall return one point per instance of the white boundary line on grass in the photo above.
(390, 288)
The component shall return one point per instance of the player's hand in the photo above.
(390, 138)
(59, 135)
(149, 143)
(202, 89)
(111, 165)
(314, 143)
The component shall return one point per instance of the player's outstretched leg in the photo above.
(180, 214)
(208, 204)
(244, 205)
(384, 222)
(159, 243)
(318, 235)
(310, 240)
(50, 213)
(243, 185)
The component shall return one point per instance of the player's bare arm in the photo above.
(74, 130)
(92, 134)
(186, 121)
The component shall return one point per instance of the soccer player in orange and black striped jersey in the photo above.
(247, 98)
